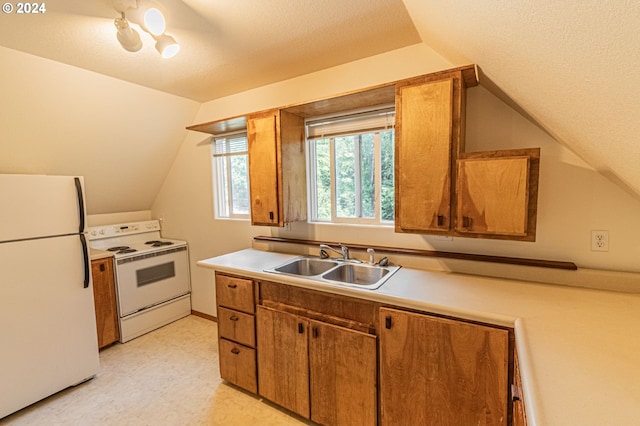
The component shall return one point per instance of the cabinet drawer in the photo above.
(237, 326)
(235, 293)
(238, 365)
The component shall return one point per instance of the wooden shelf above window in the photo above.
(363, 98)
(229, 125)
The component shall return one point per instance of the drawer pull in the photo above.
(232, 285)
(234, 318)
(235, 351)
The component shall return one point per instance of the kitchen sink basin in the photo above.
(347, 273)
(306, 266)
(356, 274)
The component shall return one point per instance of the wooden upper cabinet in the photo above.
(497, 194)
(276, 168)
(430, 113)
(423, 161)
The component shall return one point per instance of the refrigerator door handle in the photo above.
(80, 203)
(85, 258)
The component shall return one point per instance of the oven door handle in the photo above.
(85, 259)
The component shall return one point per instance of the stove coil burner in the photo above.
(158, 243)
(122, 249)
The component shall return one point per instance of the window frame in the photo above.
(222, 179)
(312, 175)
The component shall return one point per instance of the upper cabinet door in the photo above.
(277, 168)
(497, 194)
(424, 119)
(264, 176)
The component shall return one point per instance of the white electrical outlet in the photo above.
(599, 240)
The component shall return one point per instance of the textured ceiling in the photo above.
(570, 65)
(227, 46)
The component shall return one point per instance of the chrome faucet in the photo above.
(344, 250)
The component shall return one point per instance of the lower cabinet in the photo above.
(340, 360)
(104, 297)
(329, 371)
(236, 331)
(519, 416)
(238, 364)
(436, 371)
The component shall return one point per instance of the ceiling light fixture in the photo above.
(153, 22)
(128, 37)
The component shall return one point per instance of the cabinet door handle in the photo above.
(235, 351)
(300, 328)
(466, 221)
(234, 318)
(515, 393)
(387, 323)
(440, 219)
(270, 215)
(232, 285)
(315, 332)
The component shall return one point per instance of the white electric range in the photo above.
(151, 273)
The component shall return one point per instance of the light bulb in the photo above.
(154, 21)
(167, 46)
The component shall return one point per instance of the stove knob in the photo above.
(102, 232)
(94, 233)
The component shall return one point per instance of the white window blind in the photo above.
(355, 123)
(233, 144)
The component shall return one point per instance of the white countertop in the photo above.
(579, 349)
(96, 254)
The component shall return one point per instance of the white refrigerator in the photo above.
(48, 338)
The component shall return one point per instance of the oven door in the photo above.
(151, 278)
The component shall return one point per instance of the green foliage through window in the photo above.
(362, 167)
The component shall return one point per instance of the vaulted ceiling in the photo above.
(570, 66)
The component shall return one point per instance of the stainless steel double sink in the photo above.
(349, 273)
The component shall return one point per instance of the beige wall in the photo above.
(63, 120)
(573, 198)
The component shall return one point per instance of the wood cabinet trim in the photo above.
(320, 316)
(541, 263)
(359, 311)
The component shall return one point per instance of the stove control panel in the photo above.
(122, 229)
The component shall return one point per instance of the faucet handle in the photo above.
(372, 254)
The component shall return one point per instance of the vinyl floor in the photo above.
(167, 377)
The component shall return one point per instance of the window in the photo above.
(351, 168)
(231, 176)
